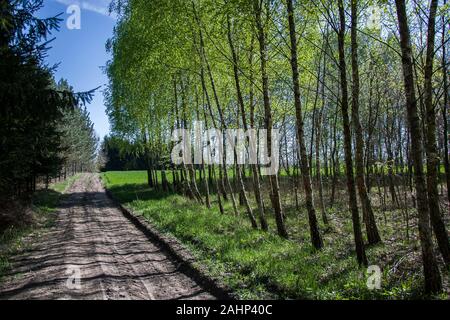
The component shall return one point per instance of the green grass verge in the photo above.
(44, 205)
(256, 264)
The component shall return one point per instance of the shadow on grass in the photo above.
(46, 198)
(20, 218)
(262, 265)
(19, 214)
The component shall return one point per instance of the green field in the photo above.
(258, 264)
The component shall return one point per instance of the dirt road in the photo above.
(91, 238)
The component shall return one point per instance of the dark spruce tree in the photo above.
(32, 105)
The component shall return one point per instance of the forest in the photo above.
(359, 93)
(45, 133)
(257, 150)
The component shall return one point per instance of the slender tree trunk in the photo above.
(334, 159)
(316, 238)
(187, 190)
(439, 228)
(359, 243)
(193, 183)
(164, 183)
(203, 177)
(318, 143)
(212, 167)
(254, 168)
(431, 271)
(212, 172)
(224, 172)
(189, 168)
(371, 227)
(206, 184)
(148, 160)
(445, 107)
(390, 160)
(174, 179)
(244, 122)
(318, 166)
(155, 174)
(275, 188)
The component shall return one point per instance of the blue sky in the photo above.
(81, 53)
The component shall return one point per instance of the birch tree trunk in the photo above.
(316, 238)
(430, 268)
(373, 235)
(274, 185)
(359, 243)
(439, 228)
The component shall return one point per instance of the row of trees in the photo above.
(43, 133)
(354, 85)
(79, 141)
(116, 154)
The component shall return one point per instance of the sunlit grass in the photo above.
(257, 264)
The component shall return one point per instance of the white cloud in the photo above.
(97, 6)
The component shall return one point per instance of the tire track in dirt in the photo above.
(115, 260)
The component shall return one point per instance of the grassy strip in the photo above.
(44, 205)
(63, 186)
(141, 176)
(258, 264)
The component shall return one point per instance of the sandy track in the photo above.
(115, 259)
